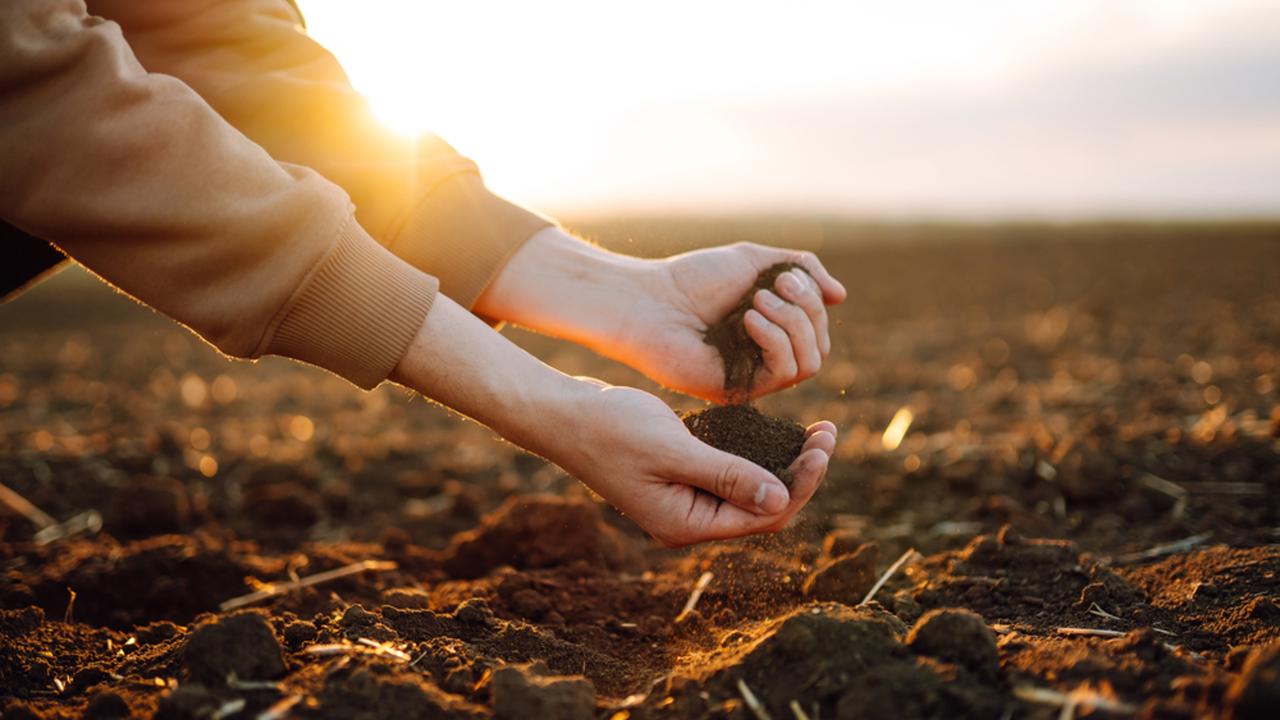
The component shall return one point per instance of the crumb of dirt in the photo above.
(845, 579)
(958, 636)
(536, 531)
(772, 443)
(300, 632)
(242, 643)
(728, 335)
(519, 693)
(1256, 693)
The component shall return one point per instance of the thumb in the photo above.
(735, 480)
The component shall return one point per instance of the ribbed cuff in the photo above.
(356, 312)
(464, 234)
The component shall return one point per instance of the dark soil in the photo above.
(1052, 374)
(741, 355)
(772, 443)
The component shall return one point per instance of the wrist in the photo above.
(565, 287)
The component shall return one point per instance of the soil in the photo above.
(772, 443)
(741, 355)
(1081, 398)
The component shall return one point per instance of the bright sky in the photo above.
(897, 107)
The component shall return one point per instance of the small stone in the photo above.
(518, 693)
(242, 643)
(958, 636)
(845, 579)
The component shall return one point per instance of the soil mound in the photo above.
(538, 531)
(741, 356)
(772, 443)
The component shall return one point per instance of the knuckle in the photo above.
(727, 481)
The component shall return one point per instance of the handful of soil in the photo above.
(741, 355)
(770, 442)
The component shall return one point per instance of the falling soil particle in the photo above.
(772, 443)
(741, 355)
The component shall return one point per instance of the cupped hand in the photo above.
(637, 454)
(663, 335)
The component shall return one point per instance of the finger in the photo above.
(798, 288)
(708, 522)
(833, 291)
(804, 345)
(775, 348)
(822, 440)
(735, 480)
(821, 426)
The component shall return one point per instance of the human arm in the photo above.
(134, 176)
(651, 314)
(255, 65)
(623, 443)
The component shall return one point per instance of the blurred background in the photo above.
(1032, 109)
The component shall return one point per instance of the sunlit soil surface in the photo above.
(1075, 428)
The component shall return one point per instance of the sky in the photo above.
(894, 109)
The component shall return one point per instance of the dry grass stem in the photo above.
(1096, 609)
(1095, 632)
(280, 709)
(798, 711)
(227, 709)
(752, 702)
(1227, 488)
(385, 649)
(363, 646)
(1172, 489)
(1081, 697)
(1176, 546)
(908, 556)
(703, 581)
(272, 590)
(25, 508)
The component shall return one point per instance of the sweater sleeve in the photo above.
(253, 62)
(135, 177)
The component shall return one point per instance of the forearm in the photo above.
(459, 361)
(567, 288)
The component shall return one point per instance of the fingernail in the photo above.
(771, 301)
(772, 498)
(791, 283)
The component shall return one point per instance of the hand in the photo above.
(651, 314)
(632, 449)
(663, 337)
(623, 443)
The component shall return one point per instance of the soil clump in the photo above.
(770, 442)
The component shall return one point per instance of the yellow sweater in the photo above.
(209, 159)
